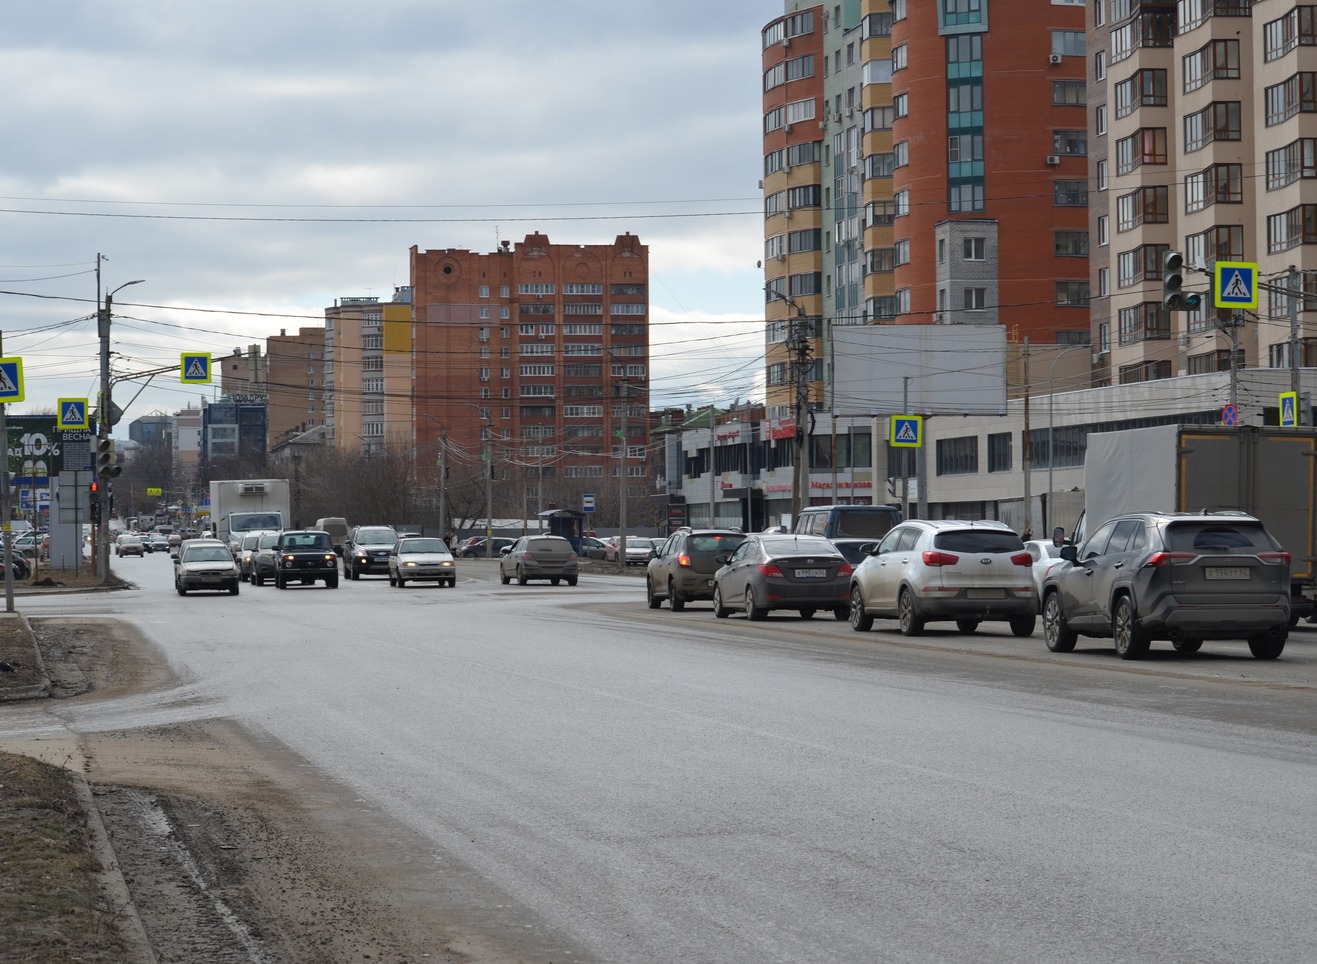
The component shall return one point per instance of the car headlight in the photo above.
(409, 563)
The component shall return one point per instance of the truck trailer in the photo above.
(246, 505)
(1268, 472)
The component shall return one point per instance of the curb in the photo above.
(33, 691)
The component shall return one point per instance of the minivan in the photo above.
(337, 527)
(854, 529)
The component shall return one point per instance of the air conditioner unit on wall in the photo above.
(1054, 58)
(1053, 160)
(786, 128)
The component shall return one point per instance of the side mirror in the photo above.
(505, 550)
(1069, 553)
(869, 548)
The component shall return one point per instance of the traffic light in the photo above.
(106, 464)
(95, 488)
(1174, 298)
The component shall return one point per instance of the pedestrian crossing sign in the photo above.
(1235, 284)
(907, 431)
(194, 368)
(73, 414)
(1289, 409)
(11, 380)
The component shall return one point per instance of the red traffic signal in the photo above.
(95, 487)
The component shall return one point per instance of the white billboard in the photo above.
(951, 369)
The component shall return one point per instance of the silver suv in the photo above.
(926, 570)
(1185, 577)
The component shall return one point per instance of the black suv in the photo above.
(1185, 577)
(682, 569)
(367, 549)
(305, 555)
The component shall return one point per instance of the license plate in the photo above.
(811, 573)
(984, 594)
(1226, 572)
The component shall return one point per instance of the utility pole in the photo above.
(1295, 294)
(4, 512)
(621, 487)
(105, 419)
(443, 484)
(1027, 448)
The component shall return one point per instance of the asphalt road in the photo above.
(598, 781)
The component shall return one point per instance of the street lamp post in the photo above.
(104, 416)
(1051, 451)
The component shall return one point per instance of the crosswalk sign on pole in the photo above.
(907, 431)
(194, 368)
(11, 380)
(73, 414)
(1235, 284)
(1289, 409)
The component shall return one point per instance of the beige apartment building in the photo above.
(1203, 140)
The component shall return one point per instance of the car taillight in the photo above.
(768, 569)
(1170, 558)
(528, 557)
(935, 559)
(845, 569)
(684, 561)
(1275, 558)
(572, 557)
(1022, 559)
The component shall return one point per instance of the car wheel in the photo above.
(354, 573)
(807, 614)
(911, 623)
(1266, 647)
(1131, 642)
(1022, 625)
(967, 625)
(1060, 638)
(181, 590)
(654, 601)
(503, 577)
(554, 581)
(1187, 645)
(332, 582)
(751, 610)
(841, 613)
(233, 590)
(676, 602)
(571, 580)
(521, 577)
(719, 610)
(861, 621)
(279, 582)
(401, 581)
(392, 581)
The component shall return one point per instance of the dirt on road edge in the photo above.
(194, 841)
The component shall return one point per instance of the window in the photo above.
(899, 57)
(1145, 88)
(1145, 146)
(1148, 321)
(902, 250)
(1295, 160)
(1140, 264)
(958, 456)
(1070, 142)
(901, 105)
(1104, 282)
(1144, 372)
(1100, 65)
(1070, 194)
(1218, 121)
(1224, 242)
(1297, 28)
(999, 452)
(901, 154)
(1071, 244)
(1297, 95)
(1102, 175)
(966, 197)
(1072, 294)
(1069, 93)
(1147, 205)
(1218, 60)
(976, 299)
(1218, 184)
(974, 249)
(1292, 228)
(1100, 119)
(1068, 43)
(1104, 231)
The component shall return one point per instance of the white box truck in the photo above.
(247, 505)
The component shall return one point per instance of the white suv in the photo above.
(928, 570)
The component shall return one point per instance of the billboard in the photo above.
(38, 451)
(941, 369)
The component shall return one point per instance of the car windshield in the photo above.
(423, 545)
(308, 540)
(978, 540)
(375, 537)
(207, 554)
(268, 541)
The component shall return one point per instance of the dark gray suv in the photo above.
(681, 570)
(1183, 577)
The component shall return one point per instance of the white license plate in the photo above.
(1226, 572)
(811, 573)
(984, 594)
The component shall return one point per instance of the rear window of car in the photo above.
(864, 523)
(778, 545)
(714, 542)
(546, 544)
(978, 540)
(1217, 537)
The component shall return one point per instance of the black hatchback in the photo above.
(1177, 576)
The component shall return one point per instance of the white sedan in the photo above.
(1046, 556)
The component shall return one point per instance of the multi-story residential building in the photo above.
(296, 383)
(924, 163)
(242, 373)
(1204, 142)
(536, 355)
(354, 377)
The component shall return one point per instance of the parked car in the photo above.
(205, 564)
(782, 571)
(247, 549)
(475, 547)
(420, 558)
(129, 545)
(682, 568)
(1046, 556)
(1184, 577)
(305, 556)
(929, 570)
(638, 550)
(592, 548)
(367, 550)
(539, 557)
(265, 560)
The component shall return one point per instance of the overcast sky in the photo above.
(255, 161)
